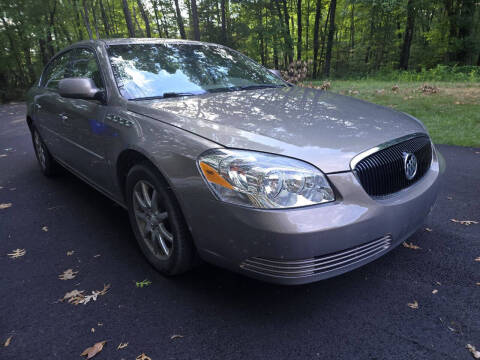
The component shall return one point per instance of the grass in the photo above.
(451, 115)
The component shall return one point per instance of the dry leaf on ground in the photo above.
(2, 155)
(68, 274)
(80, 298)
(17, 253)
(413, 305)
(464, 222)
(434, 291)
(428, 229)
(122, 346)
(142, 356)
(176, 336)
(70, 253)
(475, 353)
(411, 246)
(72, 294)
(93, 350)
(45, 228)
(5, 206)
(92, 330)
(95, 256)
(477, 259)
(8, 341)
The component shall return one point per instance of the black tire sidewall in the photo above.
(49, 168)
(181, 257)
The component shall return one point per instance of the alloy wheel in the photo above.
(152, 220)
(40, 150)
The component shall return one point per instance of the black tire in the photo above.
(47, 163)
(182, 250)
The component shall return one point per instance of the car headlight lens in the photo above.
(263, 180)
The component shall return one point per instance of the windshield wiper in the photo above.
(259, 86)
(165, 95)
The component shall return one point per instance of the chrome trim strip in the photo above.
(359, 157)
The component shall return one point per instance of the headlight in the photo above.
(262, 180)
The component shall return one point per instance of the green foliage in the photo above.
(368, 37)
(143, 283)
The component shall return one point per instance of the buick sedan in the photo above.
(217, 158)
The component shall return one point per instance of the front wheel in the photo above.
(47, 163)
(157, 221)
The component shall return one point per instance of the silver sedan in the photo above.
(217, 158)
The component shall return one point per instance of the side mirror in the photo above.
(276, 72)
(80, 88)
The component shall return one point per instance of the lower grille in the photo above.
(319, 264)
(383, 172)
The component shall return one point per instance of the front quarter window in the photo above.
(152, 70)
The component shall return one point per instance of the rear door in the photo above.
(83, 122)
(49, 105)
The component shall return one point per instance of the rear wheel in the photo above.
(47, 163)
(157, 221)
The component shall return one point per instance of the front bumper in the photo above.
(302, 245)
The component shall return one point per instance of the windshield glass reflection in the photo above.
(161, 70)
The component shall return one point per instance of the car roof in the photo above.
(128, 41)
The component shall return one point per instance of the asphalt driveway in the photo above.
(218, 314)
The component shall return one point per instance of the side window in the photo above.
(84, 65)
(56, 71)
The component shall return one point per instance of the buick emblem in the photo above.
(410, 165)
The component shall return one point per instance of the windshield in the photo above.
(164, 70)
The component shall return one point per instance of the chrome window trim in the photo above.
(359, 157)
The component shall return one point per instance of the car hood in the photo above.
(320, 127)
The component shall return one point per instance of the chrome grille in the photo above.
(318, 264)
(382, 173)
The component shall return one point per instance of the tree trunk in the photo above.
(178, 16)
(128, 19)
(134, 14)
(144, 15)
(106, 27)
(307, 29)
(316, 30)
(299, 29)
(95, 24)
(157, 22)
(352, 27)
(196, 27)
(288, 37)
(87, 20)
(77, 21)
(408, 36)
(224, 22)
(331, 32)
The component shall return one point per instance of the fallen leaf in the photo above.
(413, 305)
(449, 198)
(45, 228)
(70, 253)
(92, 330)
(464, 222)
(17, 253)
(143, 283)
(80, 298)
(411, 246)
(438, 283)
(175, 336)
(68, 274)
(473, 351)
(434, 291)
(428, 229)
(478, 283)
(477, 259)
(72, 294)
(3, 155)
(142, 356)
(8, 341)
(122, 346)
(100, 324)
(93, 350)
(95, 256)
(5, 206)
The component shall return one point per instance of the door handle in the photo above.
(64, 118)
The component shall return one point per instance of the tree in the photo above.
(299, 29)
(408, 35)
(196, 28)
(331, 31)
(128, 19)
(178, 16)
(86, 20)
(316, 30)
(144, 15)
